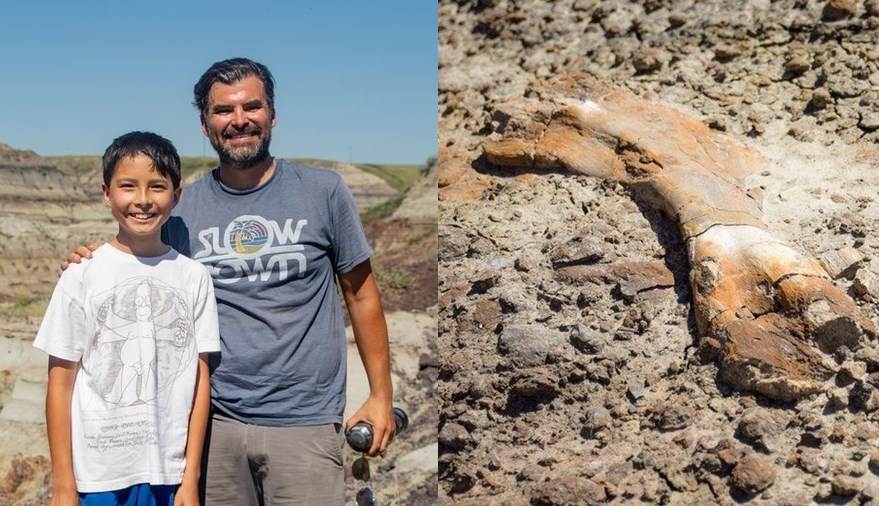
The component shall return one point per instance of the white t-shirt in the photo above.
(136, 326)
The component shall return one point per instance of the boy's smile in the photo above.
(141, 201)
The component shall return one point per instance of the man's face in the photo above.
(239, 121)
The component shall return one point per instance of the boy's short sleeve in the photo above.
(206, 326)
(63, 329)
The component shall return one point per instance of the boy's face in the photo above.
(140, 199)
(239, 120)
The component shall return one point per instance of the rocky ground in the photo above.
(561, 389)
(45, 212)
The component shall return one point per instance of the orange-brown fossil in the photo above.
(770, 315)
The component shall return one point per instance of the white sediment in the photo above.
(732, 240)
(580, 109)
(754, 249)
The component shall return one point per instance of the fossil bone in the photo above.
(768, 315)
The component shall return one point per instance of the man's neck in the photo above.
(239, 177)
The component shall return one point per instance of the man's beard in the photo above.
(245, 156)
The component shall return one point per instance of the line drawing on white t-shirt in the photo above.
(142, 342)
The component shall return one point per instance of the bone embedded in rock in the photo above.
(770, 315)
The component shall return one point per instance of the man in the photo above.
(274, 236)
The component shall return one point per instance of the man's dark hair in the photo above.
(228, 72)
(155, 147)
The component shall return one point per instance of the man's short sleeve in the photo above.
(350, 247)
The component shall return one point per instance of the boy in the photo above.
(128, 336)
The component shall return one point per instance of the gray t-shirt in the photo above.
(273, 252)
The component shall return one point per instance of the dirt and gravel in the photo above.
(590, 388)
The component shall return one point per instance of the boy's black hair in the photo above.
(155, 147)
(228, 72)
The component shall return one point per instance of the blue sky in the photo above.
(354, 80)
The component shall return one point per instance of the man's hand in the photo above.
(77, 255)
(378, 413)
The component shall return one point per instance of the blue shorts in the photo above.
(142, 494)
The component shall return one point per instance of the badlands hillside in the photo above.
(48, 206)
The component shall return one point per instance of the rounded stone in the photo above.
(752, 475)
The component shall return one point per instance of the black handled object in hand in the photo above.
(360, 436)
